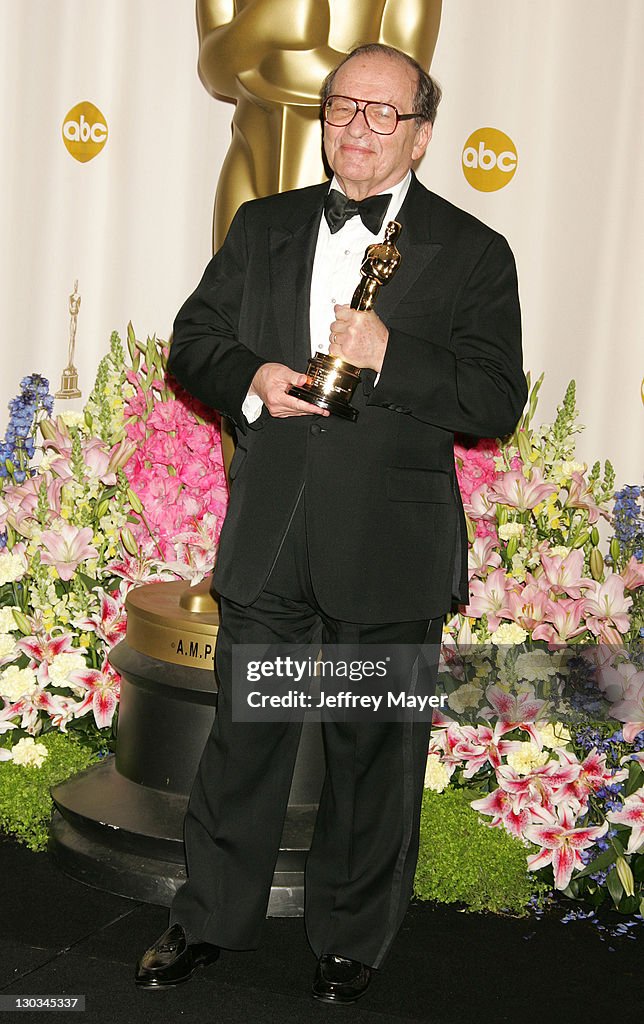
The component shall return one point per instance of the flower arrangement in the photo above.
(133, 490)
(107, 499)
(544, 669)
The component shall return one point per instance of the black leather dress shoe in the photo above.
(173, 960)
(338, 980)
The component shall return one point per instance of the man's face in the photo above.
(367, 163)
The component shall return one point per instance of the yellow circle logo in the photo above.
(84, 131)
(489, 159)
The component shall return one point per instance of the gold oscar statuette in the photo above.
(331, 381)
(69, 379)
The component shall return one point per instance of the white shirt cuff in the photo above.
(252, 407)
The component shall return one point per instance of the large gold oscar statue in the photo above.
(271, 57)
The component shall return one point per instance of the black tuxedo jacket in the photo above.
(385, 525)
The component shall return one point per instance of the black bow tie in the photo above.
(338, 209)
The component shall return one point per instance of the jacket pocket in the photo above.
(419, 485)
(236, 462)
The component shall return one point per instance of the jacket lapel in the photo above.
(415, 246)
(291, 252)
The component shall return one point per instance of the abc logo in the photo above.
(84, 131)
(489, 159)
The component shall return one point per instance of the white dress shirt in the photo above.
(336, 273)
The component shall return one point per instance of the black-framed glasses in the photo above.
(382, 118)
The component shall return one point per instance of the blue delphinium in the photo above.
(628, 521)
(18, 447)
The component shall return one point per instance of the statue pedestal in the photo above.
(119, 824)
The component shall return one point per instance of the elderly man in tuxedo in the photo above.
(354, 529)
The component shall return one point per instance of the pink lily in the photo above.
(581, 496)
(500, 805)
(66, 548)
(483, 554)
(538, 787)
(593, 774)
(44, 646)
(480, 506)
(561, 844)
(445, 741)
(631, 814)
(563, 575)
(607, 608)
(23, 501)
(481, 745)
(102, 688)
(515, 711)
(31, 704)
(565, 621)
(633, 574)
(528, 606)
(110, 623)
(491, 597)
(630, 709)
(516, 490)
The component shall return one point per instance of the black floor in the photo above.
(58, 937)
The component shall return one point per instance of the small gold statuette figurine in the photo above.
(330, 380)
(69, 380)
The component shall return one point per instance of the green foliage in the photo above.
(462, 860)
(25, 801)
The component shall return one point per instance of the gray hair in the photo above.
(428, 91)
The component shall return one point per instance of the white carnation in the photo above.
(539, 665)
(8, 649)
(16, 682)
(437, 775)
(12, 567)
(61, 667)
(527, 758)
(509, 530)
(508, 633)
(29, 753)
(7, 621)
(466, 696)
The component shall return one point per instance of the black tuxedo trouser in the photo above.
(360, 869)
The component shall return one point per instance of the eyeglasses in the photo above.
(381, 118)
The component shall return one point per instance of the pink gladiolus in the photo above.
(606, 607)
(475, 466)
(632, 814)
(514, 489)
(561, 844)
(66, 548)
(491, 597)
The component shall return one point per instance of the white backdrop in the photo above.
(564, 80)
